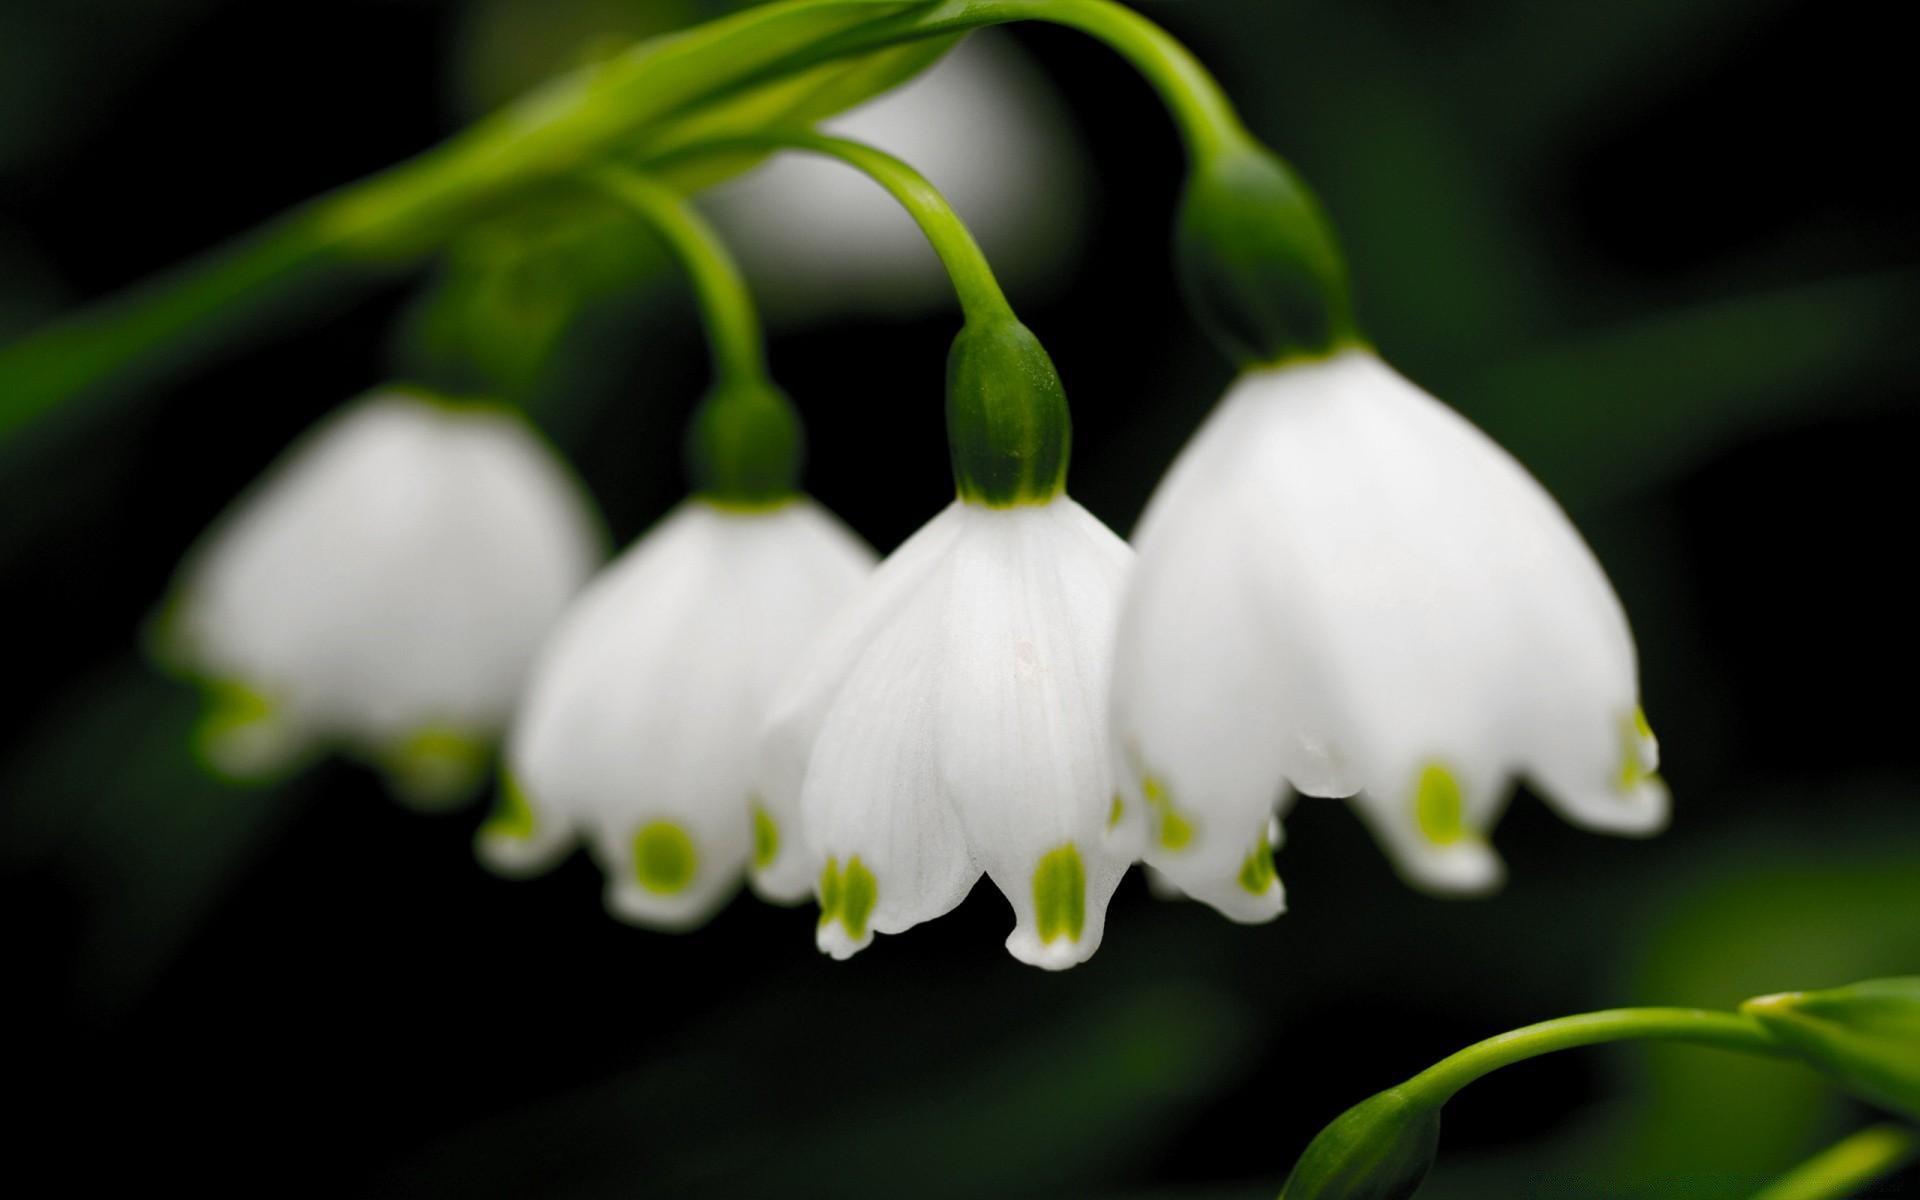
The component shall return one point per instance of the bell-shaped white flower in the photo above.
(637, 730)
(1345, 587)
(950, 721)
(382, 589)
(982, 124)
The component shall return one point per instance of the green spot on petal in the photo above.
(1439, 807)
(766, 837)
(435, 767)
(512, 815)
(1635, 734)
(1175, 830)
(858, 893)
(847, 896)
(1060, 894)
(1119, 811)
(663, 858)
(1256, 874)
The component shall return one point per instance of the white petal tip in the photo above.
(1467, 867)
(777, 885)
(837, 944)
(513, 857)
(1247, 902)
(631, 904)
(1642, 810)
(1056, 955)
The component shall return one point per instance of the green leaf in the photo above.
(1866, 1036)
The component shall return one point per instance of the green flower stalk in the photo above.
(1866, 1036)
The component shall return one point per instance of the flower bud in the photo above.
(1258, 259)
(1380, 1149)
(745, 445)
(1007, 421)
(1867, 1036)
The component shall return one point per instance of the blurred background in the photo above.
(1658, 248)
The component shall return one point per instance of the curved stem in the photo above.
(726, 307)
(966, 264)
(1848, 1165)
(1726, 1030)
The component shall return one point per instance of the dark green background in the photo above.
(1663, 249)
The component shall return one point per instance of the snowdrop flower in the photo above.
(1346, 588)
(981, 124)
(952, 719)
(382, 588)
(637, 727)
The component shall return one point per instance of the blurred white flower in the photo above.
(1345, 587)
(952, 720)
(983, 125)
(382, 588)
(637, 729)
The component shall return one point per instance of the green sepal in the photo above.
(1380, 1149)
(745, 445)
(1258, 260)
(1866, 1036)
(1007, 421)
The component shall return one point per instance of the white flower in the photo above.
(382, 588)
(982, 124)
(1346, 588)
(637, 730)
(952, 720)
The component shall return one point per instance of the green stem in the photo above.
(726, 307)
(1847, 1166)
(1726, 1030)
(981, 299)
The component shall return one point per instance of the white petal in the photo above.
(802, 701)
(638, 727)
(385, 584)
(1020, 727)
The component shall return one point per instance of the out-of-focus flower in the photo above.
(1346, 588)
(982, 125)
(951, 721)
(636, 732)
(382, 588)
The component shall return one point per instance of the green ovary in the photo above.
(1175, 830)
(1256, 874)
(663, 858)
(1060, 894)
(848, 896)
(512, 815)
(1439, 807)
(766, 838)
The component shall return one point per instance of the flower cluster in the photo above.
(1340, 589)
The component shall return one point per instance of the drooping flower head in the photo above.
(638, 723)
(1348, 590)
(951, 721)
(382, 589)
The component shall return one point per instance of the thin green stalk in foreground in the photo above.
(1728, 1031)
(1847, 1166)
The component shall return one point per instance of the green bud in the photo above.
(1380, 1149)
(1867, 1036)
(1257, 258)
(1007, 421)
(744, 446)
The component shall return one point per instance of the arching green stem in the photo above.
(973, 279)
(726, 307)
(744, 444)
(1699, 1027)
